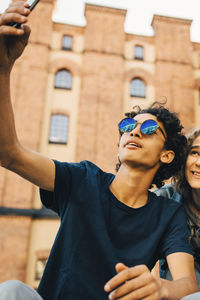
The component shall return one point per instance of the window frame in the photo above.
(62, 141)
(43, 261)
(138, 95)
(135, 54)
(63, 47)
(67, 87)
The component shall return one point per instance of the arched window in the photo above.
(139, 53)
(58, 133)
(63, 80)
(67, 42)
(137, 88)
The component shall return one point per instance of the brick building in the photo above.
(70, 88)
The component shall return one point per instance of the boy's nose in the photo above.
(136, 131)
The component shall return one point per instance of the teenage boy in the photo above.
(113, 229)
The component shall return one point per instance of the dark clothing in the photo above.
(169, 192)
(97, 231)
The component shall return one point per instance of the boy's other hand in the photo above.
(133, 283)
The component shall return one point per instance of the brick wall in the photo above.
(101, 102)
(173, 66)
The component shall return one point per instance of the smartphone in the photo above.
(32, 4)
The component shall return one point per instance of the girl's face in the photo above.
(192, 168)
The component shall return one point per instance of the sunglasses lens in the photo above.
(149, 127)
(127, 125)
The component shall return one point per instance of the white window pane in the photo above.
(138, 88)
(58, 129)
(139, 52)
(67, 42)
(63, 79)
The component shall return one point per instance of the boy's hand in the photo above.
(133, 283)
(13, 40)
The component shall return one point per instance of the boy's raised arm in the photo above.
(34, 167)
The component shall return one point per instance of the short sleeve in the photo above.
(176, 237)
(59, 198)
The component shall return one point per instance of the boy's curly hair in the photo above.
(175, 141)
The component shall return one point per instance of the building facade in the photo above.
(70, 89)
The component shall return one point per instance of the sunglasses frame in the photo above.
(136, 122)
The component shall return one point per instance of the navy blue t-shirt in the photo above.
(97, 231)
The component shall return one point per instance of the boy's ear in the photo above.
(167, 156)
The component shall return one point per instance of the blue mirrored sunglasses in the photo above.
(147, 127)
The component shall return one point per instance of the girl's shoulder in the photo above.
(168, 191)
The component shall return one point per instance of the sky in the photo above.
(139, 13)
